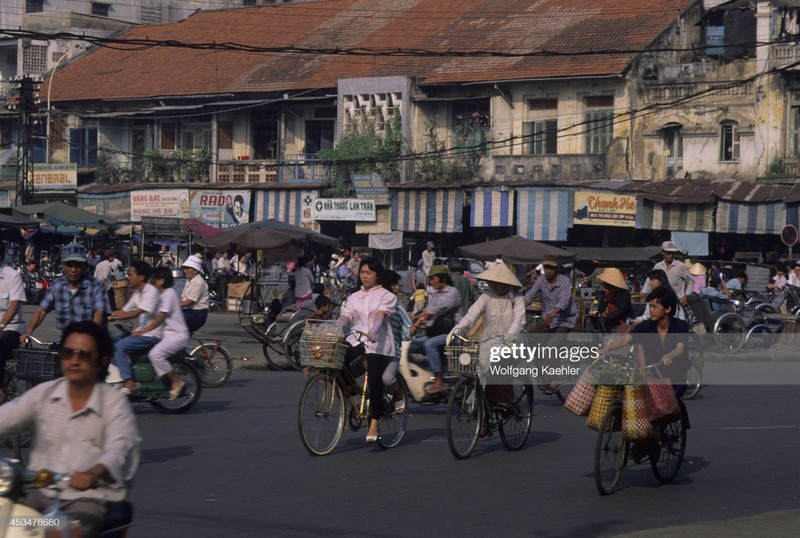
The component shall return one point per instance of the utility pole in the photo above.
(28, 99)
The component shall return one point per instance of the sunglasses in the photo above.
(66, 353)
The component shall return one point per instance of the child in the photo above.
(420, 297)
(322, 310)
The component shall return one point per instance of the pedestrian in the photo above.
(428, 257)
(680, 280)
(12, 295)
(303, 281)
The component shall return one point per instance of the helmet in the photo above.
(73, 252)
(335, 257)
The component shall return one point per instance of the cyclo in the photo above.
(470, 414)
(333, 394)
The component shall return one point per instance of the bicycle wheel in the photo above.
(320, 418)
(670, 455)
(729, 333)
(275, 356)
(190, 394)
(610, 451)
(217, 364)
(694, 376)
(392, 425)
(465, 415)
(292, 347)
(515, 427)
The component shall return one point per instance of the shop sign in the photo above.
(347, 209)
(597, 208)
(221, 209)
(55, 177)
(171, 203)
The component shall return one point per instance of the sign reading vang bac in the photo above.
(352, 209)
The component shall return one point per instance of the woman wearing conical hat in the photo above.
(615, 305)
(503, 310)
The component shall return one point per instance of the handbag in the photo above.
(579, 400)
(603, 398)
(635, 414)
(661, 401)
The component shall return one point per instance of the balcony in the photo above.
(292, 169)
(782, 55)
(548, 167)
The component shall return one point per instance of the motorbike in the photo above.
(153, 389)
(417, 376)
(22, 521)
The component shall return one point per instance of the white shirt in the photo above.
(196, 290)
(174, 324)
(102, 272)
(361, 309)
(146, 299)
(11, 289)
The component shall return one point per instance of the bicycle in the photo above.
(664, 448)
(29, 367)
(216, 361)
(471, 416)
(333, 394)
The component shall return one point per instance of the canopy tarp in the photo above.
(266, 235)
(7, 221)
(514, 249)
(63, 214)
(623, 254)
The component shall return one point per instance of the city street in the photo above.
(234, 466)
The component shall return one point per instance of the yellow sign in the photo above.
(55, 177)
(599, 208)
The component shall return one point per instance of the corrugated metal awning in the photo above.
(544, 214)
(492, 207)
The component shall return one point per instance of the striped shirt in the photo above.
(558, 296)
(401, 323)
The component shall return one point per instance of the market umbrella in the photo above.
(63, 214)
(514, 249)
(267, 234)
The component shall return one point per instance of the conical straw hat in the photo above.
(698, 269)
(500, 273)
(613, 277)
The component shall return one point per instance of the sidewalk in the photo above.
(785, 524)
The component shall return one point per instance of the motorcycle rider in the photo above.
(82, 426)
(194, 297)
(75, 296)
(143, 304)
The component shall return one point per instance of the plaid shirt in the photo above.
(90, 297)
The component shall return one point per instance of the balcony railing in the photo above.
(292, 169)
(547, 167)
(784, 54)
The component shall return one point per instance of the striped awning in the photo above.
(439, 211)
(492, 208)
(651, 215)
(750, 218)
(284, 205)
(544, 214)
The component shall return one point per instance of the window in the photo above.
(168, 136)
(673, 149)
(319, 135)
(729, 142)
(100, 9)
(794, 151)
(265, 135)
(225, 135)
(599, 130)
(187, 140)
(34, 6)
(83, 147)
(472, 126)
(150, 15)
(540, 137)
(34, 59)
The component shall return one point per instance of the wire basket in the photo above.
(322, 345)
(36, 365)
(463, 358)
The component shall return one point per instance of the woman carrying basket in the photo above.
(366, 311)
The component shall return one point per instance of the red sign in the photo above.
(789, 235)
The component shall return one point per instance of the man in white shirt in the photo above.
(12, 295)
(106, 272)
(143, 304)
(794, 276)
(680, 279)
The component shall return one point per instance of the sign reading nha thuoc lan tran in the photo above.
(351, 209)
(597, 208)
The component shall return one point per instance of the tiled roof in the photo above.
(436, 25)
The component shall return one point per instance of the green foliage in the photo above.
(110, 171)
(362, 149)
(776, 169)
(459, 164)
(158, 166)
(192, 164)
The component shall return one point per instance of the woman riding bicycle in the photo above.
(366, 311)
(615, 305)
(503, 312)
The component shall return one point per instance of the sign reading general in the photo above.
(55, 177)
(598, 208)
(350, 209)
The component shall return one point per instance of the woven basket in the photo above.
(580, 398)
(603, 398)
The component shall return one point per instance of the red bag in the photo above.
(661, 401)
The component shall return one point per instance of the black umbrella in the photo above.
(514, 249)
(267, 234)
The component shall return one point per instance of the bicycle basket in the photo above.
(322, 345)
(463, 358)
(36, 365)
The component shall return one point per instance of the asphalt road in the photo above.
(234, 466)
